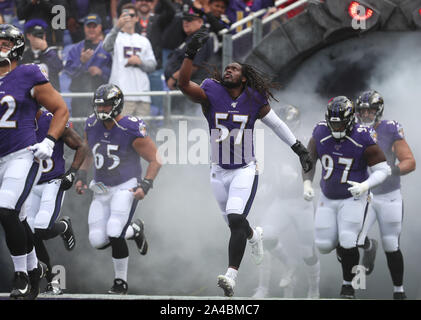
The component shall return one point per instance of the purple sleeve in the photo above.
(35, 73)
(136, 128)
(397, 131)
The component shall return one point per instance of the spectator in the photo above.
(239, 9)
(7, 11)
(41, 9)
(192, 22)
(79, 9)
(88, 64)
(133, 58)
(40, 53)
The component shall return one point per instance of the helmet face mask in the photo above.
(369, 108)
(13, 34)
(340, 116)
(108, 95)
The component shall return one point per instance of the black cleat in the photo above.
(68, 235)
(119, 287)
(21, 286)
(139, 236)
(35, 277)
(399, 296)
(369, 257)
(347, 292)
(53, 288)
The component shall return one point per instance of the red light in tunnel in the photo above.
(355, 12)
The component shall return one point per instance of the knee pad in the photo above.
(325, 246)
(239, 223)
(43, 234)
(119, 248)
(348, 240)
(390, 243)
(115, 227)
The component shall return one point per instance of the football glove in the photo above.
(302, 152)
(68, 178)
(357, 188)
(44, 149)
(196, 42)
(145, 184)
(308, 190)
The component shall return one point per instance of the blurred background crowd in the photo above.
(137, 44)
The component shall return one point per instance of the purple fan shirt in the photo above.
(18, 108)
(55, 166)
(343, 159)
(231, 124)
(387, 133)
(115, 159)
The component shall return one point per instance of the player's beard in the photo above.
(231, 84)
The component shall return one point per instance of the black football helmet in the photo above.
(372, 101)
(108, 95)
(11, 33)
(340, 116)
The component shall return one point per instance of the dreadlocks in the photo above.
(256, 80)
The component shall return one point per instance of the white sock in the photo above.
(129, 233)
(254, 237)
(120, 268)
(398, 289)
(347, 282)
(20, 263)
(31, 260)
(231, 273)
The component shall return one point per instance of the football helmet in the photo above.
(372, 102)
(11, 33)
(340, 116)
(108, 95)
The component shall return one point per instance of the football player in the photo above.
(117, 143)
(42, 207)
(287, 210)
(346, 150)
(22, 90)
(387, 205)
(231, 106)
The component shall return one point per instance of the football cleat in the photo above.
(35, 277)
(119, 287)
(257, 247)
(139, 236)
(21, 286)
(399, 296)
(347, 292)
(369, 257)
(53, 288)
(227, 284)
(68, 235)
(287, 277)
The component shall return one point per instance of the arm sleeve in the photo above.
(380, 172)
(279, 127)
(109, 40)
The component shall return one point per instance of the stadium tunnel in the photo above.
(324, 23)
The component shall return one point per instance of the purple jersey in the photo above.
(116, 161)
(231, 124)
(387, 133)
(55, 166)
(342, 160)
(18, 108)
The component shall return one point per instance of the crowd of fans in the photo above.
(137, 44)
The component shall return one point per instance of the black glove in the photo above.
(304, 155)
(196, 42)
(145, 184)
(67, 179)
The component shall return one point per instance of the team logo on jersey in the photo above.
(142, 129)
(106, 134)
(234, 104)
(400, 132)
(373, 135)
(337, 147)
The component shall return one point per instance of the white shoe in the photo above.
(257, 247)
(287, 277)
(227, 284)
(261, 292)
(313, 293)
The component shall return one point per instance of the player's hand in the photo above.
(80, 187)
(357, 188)
(142, 188)
(67, 179)
(44, 149)
(302, 152)
(196, 42)
(308, 190)
(81, 181)
(138, 193)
